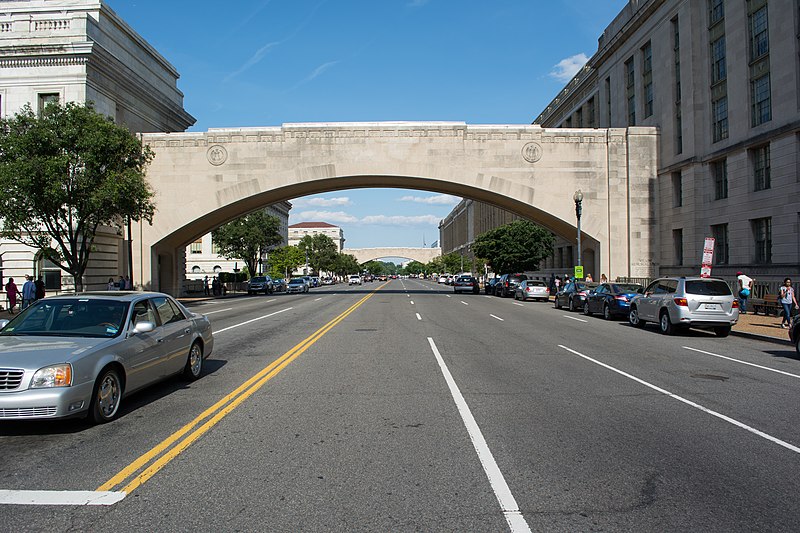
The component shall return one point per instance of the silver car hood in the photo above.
(34, 352)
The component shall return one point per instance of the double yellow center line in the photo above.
(147, 465)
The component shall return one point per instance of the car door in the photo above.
(142, 350)
(175, 337)
(597, 297)
(646, 303)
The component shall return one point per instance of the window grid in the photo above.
(759, 34)
(720, 234)
(196, 247)
(47, 98)
(761, 168)
(677, 189)
(677, 242)
(716, 11)
(720, 172)
(719, 69)
(608, 102)
(590, 109)
(720, 118)
(630, 83)
(762, 105)
(762, 236)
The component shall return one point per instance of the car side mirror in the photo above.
(3, 323)
(144, 327)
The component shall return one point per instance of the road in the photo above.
(405, 407)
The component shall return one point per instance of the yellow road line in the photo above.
(232, 400)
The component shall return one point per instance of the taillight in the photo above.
(736, 304)
(582, 293)
(681, 302)
(622, 298)
(547, 289)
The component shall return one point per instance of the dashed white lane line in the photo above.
(519, 304)
(448, 295)
(218, 311)
(744, 362)
(497, 317)
(412, 302)
(486, 296)
(59, 497)
(573, 318)
(463, 302)
(418, 317)
(318, 299)
(690, 403)
(253, 320)
(273, 300)
(508, 504)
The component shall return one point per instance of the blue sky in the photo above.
(269, 62)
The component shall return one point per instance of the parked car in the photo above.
(354, 279)
(675, 303)
(531, 288)
(573, 295)
(328, 281)
(315, 282)
(466, 284)
(794, 332)
(507, 284)
(443, 278)
(258, 284)
(611, 299)
(383, 277)
(296, 285)
(80, 355)
(489, 286)
(279, 285)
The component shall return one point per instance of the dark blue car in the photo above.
(611, 299)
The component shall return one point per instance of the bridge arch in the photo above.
(203, 180)
(364, 255)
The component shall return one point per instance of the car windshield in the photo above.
(536, 284)
(626, 287)
(258, 279)
(70, 317)
(296, 281)
(708, 287)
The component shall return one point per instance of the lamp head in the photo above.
(578, 196)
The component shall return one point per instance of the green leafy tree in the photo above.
(453, 263)
(345, 264)
(376, 268)
(435, 266)
(284, 260)
(415, 268)
(63, 174)
(321, 251)
(514, 247)
(248, 237)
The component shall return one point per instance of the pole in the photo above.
(130, 252)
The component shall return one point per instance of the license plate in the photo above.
(711, 307)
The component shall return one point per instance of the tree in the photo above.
(65, 173)
(345, 264)
(284, 260)
(320, 250)
(515, 247)
(376, 268)
(248, 238)
(453, 262)
(415, 268)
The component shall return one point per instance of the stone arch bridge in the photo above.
(204, 179)
(423, 255)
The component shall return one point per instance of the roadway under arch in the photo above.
(203, 180)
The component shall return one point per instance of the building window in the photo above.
(719, 171)
(762, 236)
(570, 257)
(196, 269)
(677, 246)
(50, 272)
(647, 78)
(720, 234)
(762, 108)
(579, 118)
(761, 177)
(560, 257)
(47, 98)
(716, 11)
(676, 57)
(591, 111)
(569, 122)
(677, 189)
(719, 69)
(678, 130)
(720, 118)
(630, 89)
(214, 247)
(608, 102)
(759, 34)
(196, 247)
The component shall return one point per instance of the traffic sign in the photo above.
(579, 272)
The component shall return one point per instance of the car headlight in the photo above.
(52, 376)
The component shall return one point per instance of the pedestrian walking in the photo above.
(121, 284)
(558, 283)
(589, 278)
(28, 292)
(205, 286)
(128, 283)
(787, 299)
(40, 288)
(603, 278)
(111, 286)
(12, 291)
(745, 284)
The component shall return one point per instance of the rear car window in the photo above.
(536, 284)
(708, 287)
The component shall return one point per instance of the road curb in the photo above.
(765, 338)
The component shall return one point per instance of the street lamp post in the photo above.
(578, 197)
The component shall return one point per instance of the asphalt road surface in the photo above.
(406, 407)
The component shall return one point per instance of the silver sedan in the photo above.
(80, 355)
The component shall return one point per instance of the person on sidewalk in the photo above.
(745, 290)
(28, 292)
(12, 291)
(788, 301)
(40, 288)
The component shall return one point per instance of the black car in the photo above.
(507, 284)
(573, 295)
(794, 332)
(466, 283)
(611, 299)
(488, 288)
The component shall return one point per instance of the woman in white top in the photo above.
(787, 299)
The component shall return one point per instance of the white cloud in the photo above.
(565, 69)
(320, 69)
(419, 220)
(324, 216)
(254, 60)
(439, 199)
(321, 202)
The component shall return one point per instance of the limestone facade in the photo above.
(423, 255)
(301, 229)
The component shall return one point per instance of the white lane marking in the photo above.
(744, 362)
(573, 318)
(274, 299)
(408, 295)
(690, 403)
(497, 317)
(218, 311)
(463, 302)
(486, 296)
(412, 302)
(508, 504)
(448, 295)
(519, 304)
(418, 317)
(59, 497)
(254, 319)
(318, 299)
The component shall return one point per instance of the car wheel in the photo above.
(586, 310)
(722, 331)
(607, 312)
(194, 363)
(634, 320)
(665, 324)
(572, 305)
(557, 303)
(797, 344)
(106, 397)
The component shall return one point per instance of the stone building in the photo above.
(81, 51)
(301, 229)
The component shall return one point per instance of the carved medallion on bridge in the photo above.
(532, 152)
(217, 155)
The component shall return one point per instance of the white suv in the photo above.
(354, 280)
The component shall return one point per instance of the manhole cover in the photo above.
(710, 376)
